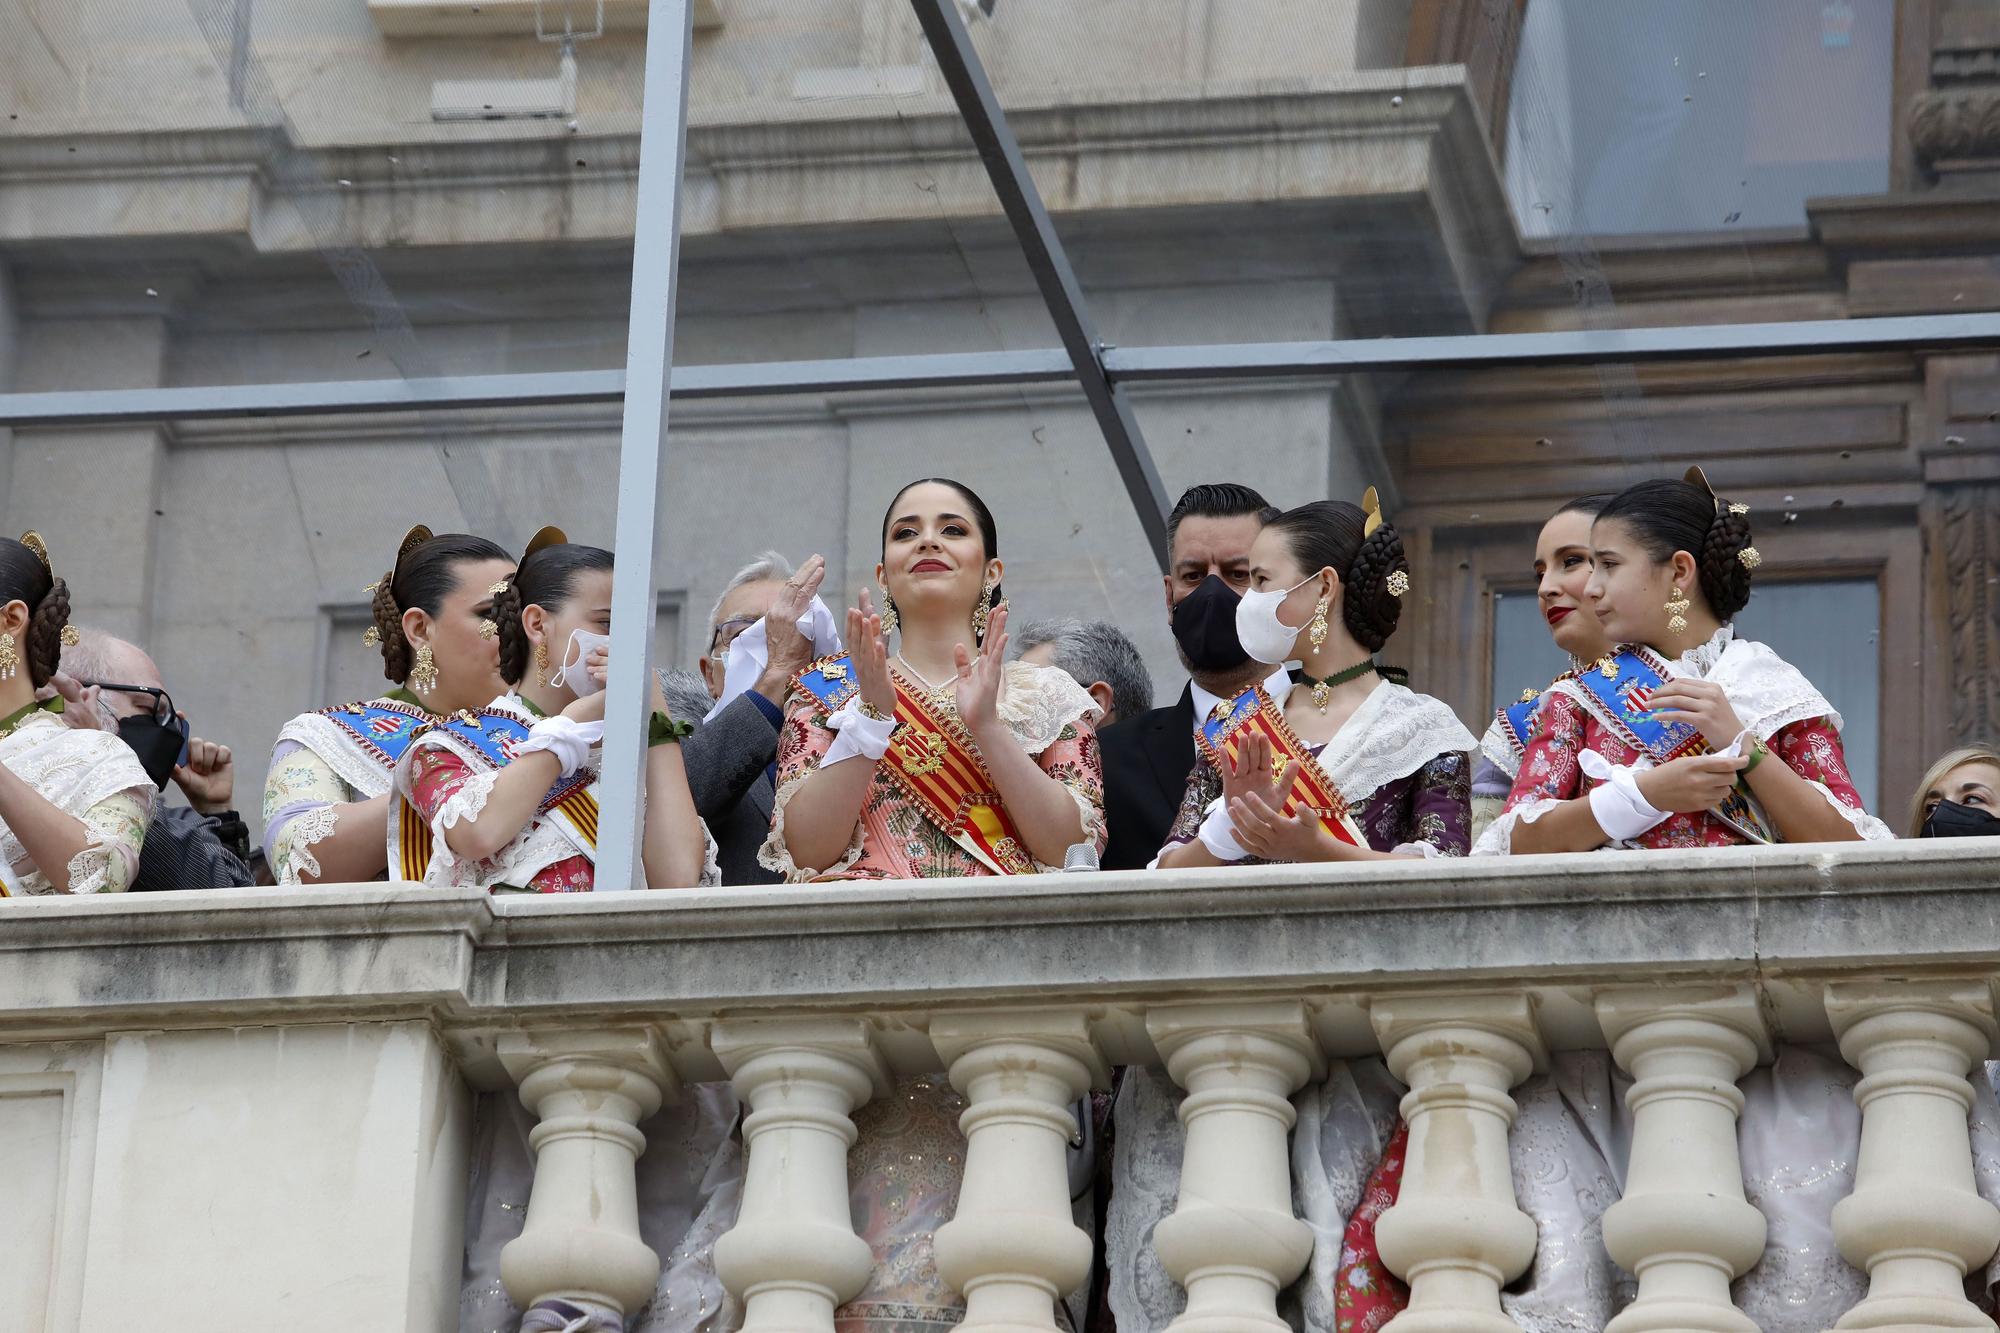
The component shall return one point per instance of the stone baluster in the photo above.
(580, 1240)
(793, 1257)
(1012, 1247)
(1915, 1221)
(1455, 1233)
(1233, 1240)
(1683, 1226)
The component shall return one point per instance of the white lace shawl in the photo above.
(1036, 703)
(543, 843)
(75, 770)
(1394, 732)
(1768, 694)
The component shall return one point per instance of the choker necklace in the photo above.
(937, 691)
(1322, 690)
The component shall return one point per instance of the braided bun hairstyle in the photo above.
(1332, 534)
(422, 578)
(1673, 515)
(25, 577)
(547, 578)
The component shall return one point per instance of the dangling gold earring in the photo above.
(542, 663)
(424, 672)
(1677, 611)
(889, 618)
(982, 611)
(10, 660)
(1316, 633)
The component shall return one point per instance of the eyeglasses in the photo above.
(726, 632)
(162, 710)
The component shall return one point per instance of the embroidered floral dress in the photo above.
(1400, 763)
(447, 783)
(316, 766)
(1048, 713)
(905, 1168)
(91, 775)
(1770, 696)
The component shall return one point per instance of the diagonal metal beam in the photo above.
(1022, 202)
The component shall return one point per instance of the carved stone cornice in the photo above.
(1955, 128)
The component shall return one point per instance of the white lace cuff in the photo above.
(858, 736)
(1498, 840)
(304, 830)
(1616, 803)
(1218, 834)
(1423, 849)
(776, 854)
(565, 738)
(1868, 826)
(89, 870)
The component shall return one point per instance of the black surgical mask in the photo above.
(1949, 819)
(160, 748)
(1205, 627)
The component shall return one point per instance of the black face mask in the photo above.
(159, 748)
(1949, 819)
(1205, 627)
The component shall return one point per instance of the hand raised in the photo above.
(869, 652)
(977, 689)
(790, 651)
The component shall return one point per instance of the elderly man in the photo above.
(1097, 656)
(730, 758)
(1147, 758)
(114, 686)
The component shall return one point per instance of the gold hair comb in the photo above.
(33, 541)
(1371, 508)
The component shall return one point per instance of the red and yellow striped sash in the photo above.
(933, 761)
(1221, 739)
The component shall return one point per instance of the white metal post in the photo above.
(642, 445)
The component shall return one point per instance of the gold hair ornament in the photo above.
(371, 637)
(1371, 509)
(33, 541)
(550, 535)
(497, 588)
(1398, 582)
(1750, 557)
(70, 637)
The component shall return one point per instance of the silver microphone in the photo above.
(1081, 856)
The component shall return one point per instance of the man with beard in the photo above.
(1147, 758)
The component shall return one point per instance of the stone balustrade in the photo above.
(249, 1109)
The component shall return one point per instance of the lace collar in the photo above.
(1702, 658)
(1394, 732)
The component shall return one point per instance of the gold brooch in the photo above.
(1398, 582)
(923, 756)
(1750, 557)
(1739, 509)
(834, 671)
(70, 638)
(1529, 696)
(1607, 668)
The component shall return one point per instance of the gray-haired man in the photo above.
(730, 758)
(1097, 656)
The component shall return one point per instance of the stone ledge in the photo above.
(1787, 918)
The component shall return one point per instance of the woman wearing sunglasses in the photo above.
(74, 803)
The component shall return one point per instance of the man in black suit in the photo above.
(1147, 758)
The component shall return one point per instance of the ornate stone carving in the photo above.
(1955, 125)
(1969, 548)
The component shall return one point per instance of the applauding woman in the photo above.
(942, 759)
(326, 799)
(506, 798)
(1686, 735)
(74, 802)
(1349, 765)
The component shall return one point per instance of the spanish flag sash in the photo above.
(494, 737)
(1222, 735)
(1616, 692)
(933, 761)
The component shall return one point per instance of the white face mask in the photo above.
(582, 643)
(1262, 634)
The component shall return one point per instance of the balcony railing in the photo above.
(249, 1109)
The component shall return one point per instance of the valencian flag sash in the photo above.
(932, 759)
(1252, 712)
(496, 737)
(382, 728)
(1618, 690)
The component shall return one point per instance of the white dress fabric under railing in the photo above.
(1798, 1139)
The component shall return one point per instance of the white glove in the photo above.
(1218, 834)
(861, 736)
(568, 740)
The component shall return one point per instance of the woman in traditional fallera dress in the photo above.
(326, 797)
(506, 799)
(878, 753)
(1348, 766)
(74, 802)
(1562, 570)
